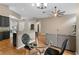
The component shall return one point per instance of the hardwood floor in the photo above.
(6, 48)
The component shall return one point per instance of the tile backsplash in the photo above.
(4, 29)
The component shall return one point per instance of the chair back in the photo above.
(25, 39)
(63, 46)
(51, 39)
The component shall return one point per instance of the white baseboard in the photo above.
(20, 47)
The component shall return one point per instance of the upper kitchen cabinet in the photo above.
(4, 21)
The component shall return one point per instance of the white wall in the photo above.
(59, 25)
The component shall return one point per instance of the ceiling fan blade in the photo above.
(52, 12)
(62, 12)
(58, 11)
(43, 12)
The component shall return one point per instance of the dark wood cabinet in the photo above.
(4, 21)
(0, 21)
(4, 35)
(1, 36)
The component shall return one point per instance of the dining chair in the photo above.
(51, 51)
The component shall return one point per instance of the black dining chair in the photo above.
(51, 51)
(25, 40)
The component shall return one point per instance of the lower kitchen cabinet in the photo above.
(4, 35)
(1, 36)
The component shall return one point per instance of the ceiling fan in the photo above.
(56, 12)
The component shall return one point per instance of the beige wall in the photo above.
(12, 13)
(60, 25)
(77, 35)
(4, 10)
(77, 31)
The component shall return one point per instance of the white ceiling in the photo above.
(29, 11)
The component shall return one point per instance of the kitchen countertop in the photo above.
(2, 29)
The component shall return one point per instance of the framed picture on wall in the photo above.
(32, 27)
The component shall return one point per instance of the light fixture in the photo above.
(56, 12)
(40, 5)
